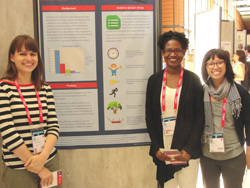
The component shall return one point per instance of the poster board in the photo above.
(98, 56)
(207, 35)
(227, 36)
(240, 40)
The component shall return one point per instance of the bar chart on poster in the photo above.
(65, 64)
(67, 61)
(69, 48)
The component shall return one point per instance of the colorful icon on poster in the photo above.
(113, 82)
(113, 53)
(115, 121)
(113, 22)
(114, 91)
(115, 106)
(113, 67)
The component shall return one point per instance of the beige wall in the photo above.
(128, 167)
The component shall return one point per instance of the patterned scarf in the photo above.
(225, 90)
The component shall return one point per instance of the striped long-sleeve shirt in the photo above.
(14, 125)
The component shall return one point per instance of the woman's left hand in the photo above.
(46, 177)
(184, 156)
(35, 163)
(248, 157)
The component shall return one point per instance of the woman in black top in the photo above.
(182, 94)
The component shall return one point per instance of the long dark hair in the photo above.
(29, 44)
(242, 58)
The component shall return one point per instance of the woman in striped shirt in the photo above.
(28, 121)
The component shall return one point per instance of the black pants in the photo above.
(160, 185)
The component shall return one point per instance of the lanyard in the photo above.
(26, 106)
(164, 89)
(223, 116)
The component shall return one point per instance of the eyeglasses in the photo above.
(219, 64)
(176, 51)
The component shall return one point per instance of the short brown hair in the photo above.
(222, 55)
(30, 44)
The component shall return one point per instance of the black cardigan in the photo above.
(244, 120)
(189, 122)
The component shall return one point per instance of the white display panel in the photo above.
(207, 35)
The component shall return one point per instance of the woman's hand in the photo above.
(184, 156)
(248, 162)
(248, 157)
(162, 157)
(35, 163)
(46, 177)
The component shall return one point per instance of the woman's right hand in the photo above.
(35, 163)
(162, 157)
(45, 176)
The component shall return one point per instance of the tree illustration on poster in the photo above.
(114, 105)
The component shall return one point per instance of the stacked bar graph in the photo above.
(67, 60)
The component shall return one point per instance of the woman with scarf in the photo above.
(227, 116)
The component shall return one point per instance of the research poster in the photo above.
(240, 40)
(98, 56)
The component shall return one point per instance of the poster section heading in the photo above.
(68, 8)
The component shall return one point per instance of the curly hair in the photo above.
(173, 35)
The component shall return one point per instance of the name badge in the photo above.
(38, 140)
(169, 125)
(216, 143)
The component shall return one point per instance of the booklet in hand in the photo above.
(57, 179)
(172, 153)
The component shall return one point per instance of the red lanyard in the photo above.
(26, 106)
(223, 116)
(164, 89)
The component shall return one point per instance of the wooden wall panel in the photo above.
(239, 22)
(172, 15)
